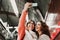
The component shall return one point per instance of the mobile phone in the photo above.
(34, 4)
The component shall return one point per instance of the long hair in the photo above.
(44, 29)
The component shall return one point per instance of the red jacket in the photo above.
(21, 26)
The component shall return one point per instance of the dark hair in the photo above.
(44, 29)
(30, 22)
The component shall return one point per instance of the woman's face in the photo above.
(31, 26)
(38, 26)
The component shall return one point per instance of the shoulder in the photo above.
(44, 37)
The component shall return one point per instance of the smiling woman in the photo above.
(43, 31)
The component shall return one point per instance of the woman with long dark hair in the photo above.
(42, 31)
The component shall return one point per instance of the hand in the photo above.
(27, 5)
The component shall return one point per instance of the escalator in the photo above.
(9, 17)
(2, 37)
(2, 32)
(9, 22)
(36, 13)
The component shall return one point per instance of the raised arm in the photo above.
(21, 25)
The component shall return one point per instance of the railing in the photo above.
(7, 28)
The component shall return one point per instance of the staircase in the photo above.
(8, 34)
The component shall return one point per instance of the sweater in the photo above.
(23, 34)
(44, 37)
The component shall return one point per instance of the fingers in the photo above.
(27, 5)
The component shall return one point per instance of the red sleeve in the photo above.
(21, 26)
